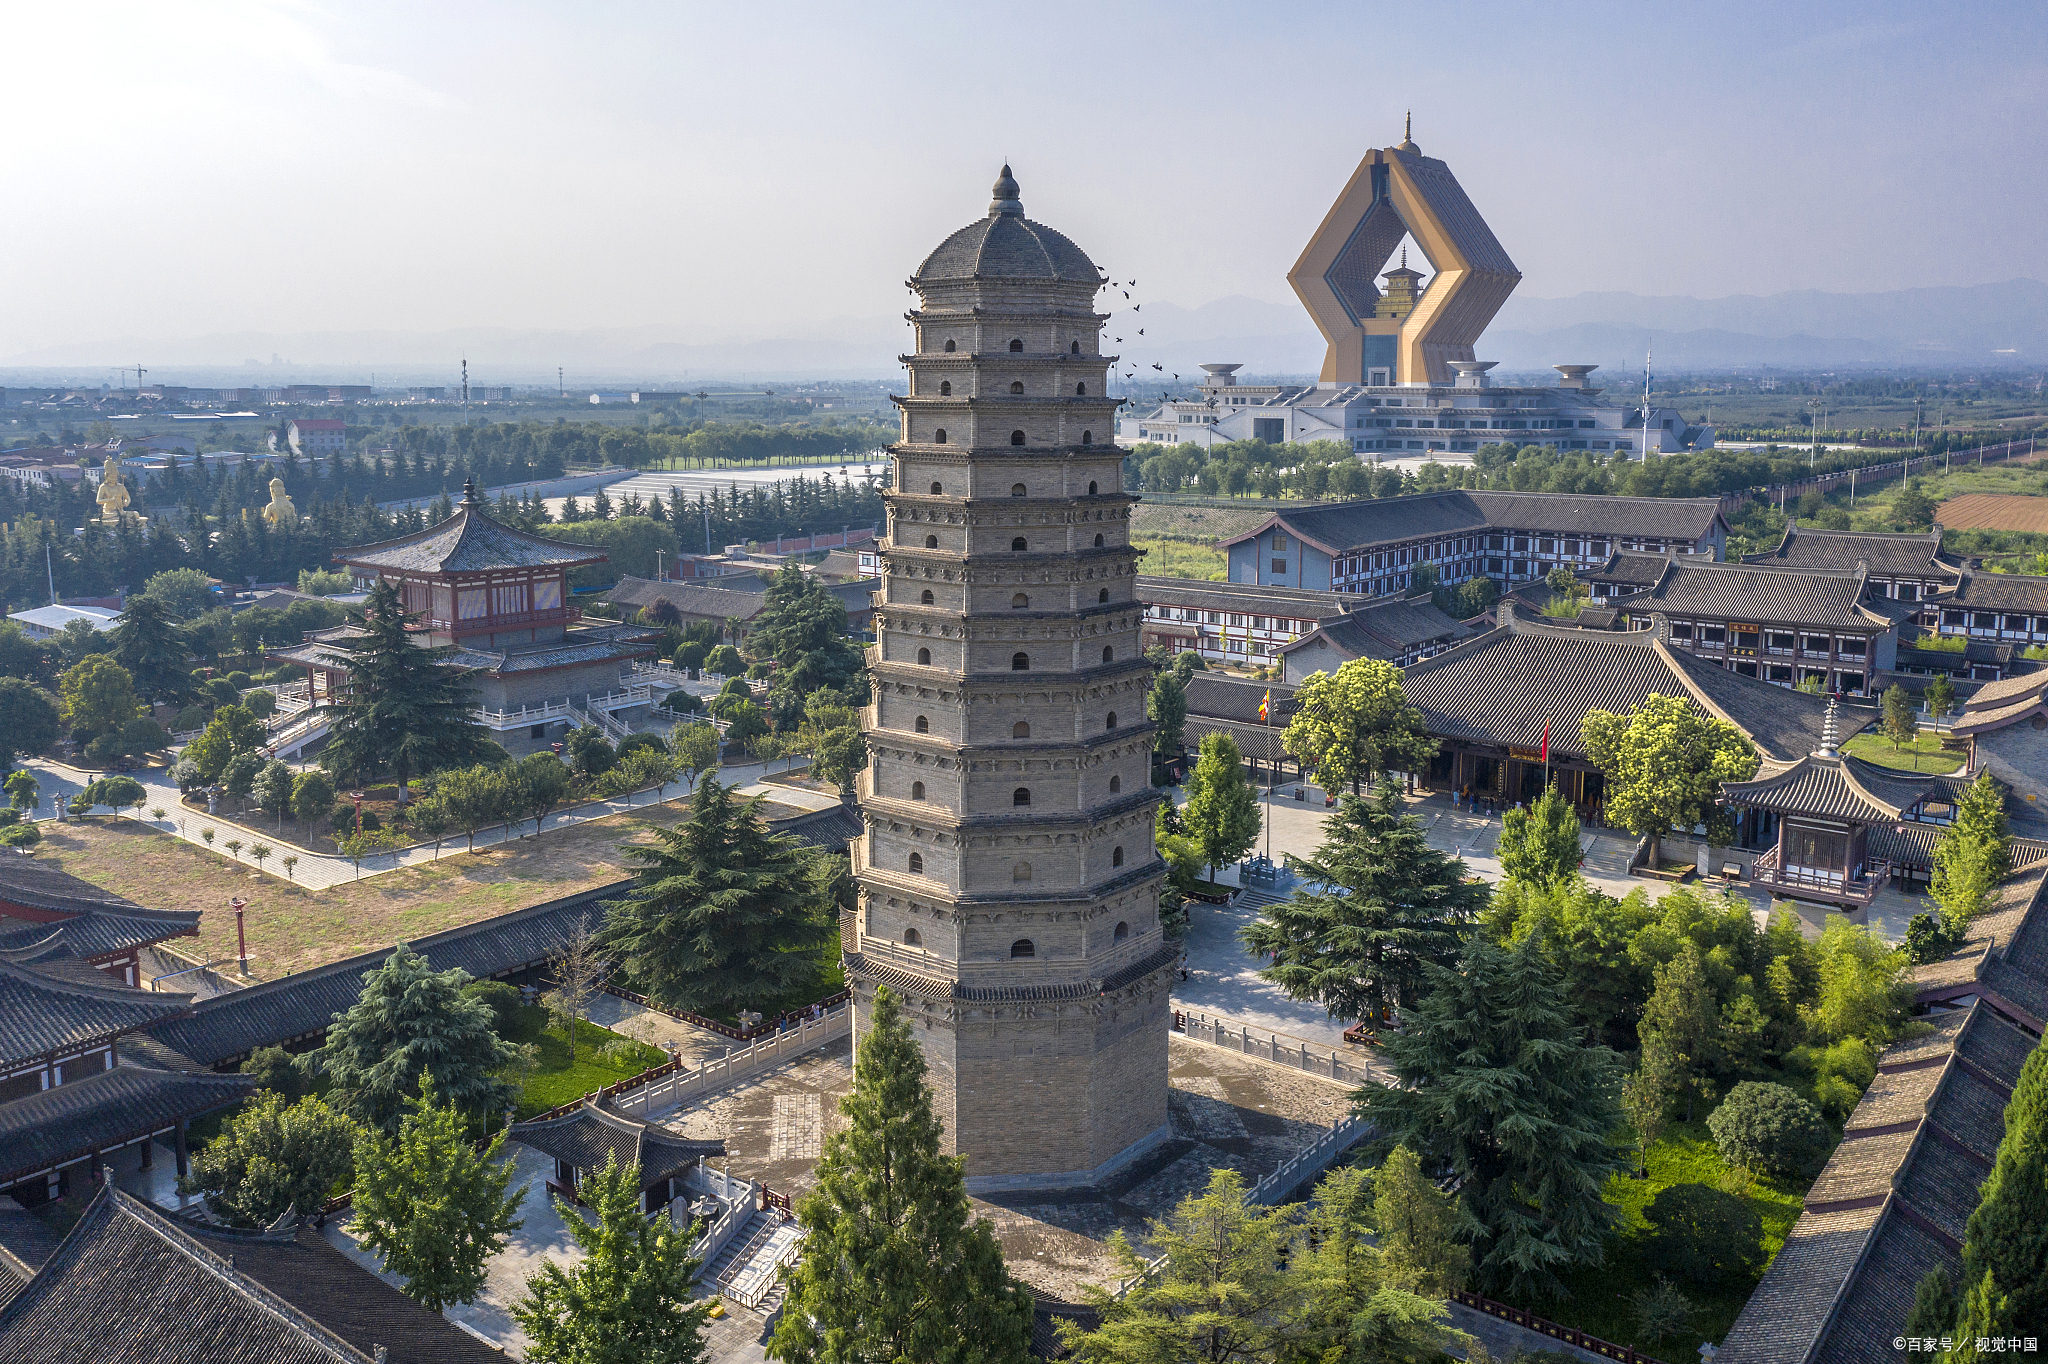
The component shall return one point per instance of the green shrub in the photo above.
(239, 681)
(222, 691)
(1840, 1074)
(758, 671)
(261, 704)
(343, 819)
(273, 1069)
(504, 1001)
(144, 736)
(105, 748)
(633, 741)
(21, 836)
(683, 703)
(1704, 1236)
(190, 718)
(9, 817)
(1767, 1128)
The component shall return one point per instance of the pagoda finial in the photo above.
(1007, 198)
(1830, 734)
(469, 497)
(1408, 134)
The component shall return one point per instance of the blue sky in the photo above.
(749, 170)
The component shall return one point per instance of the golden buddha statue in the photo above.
(280, 514)
(112, 497)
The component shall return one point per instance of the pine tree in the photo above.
(2005, 1248)
(1540, 845)
(1379, 904)
(1167, 707)
(1227, 1291)
(628, 1298)
(1222, 812)
(403, 710)
(431, 1204)
(411, 1019)
(892, 1268)
(150, 646)
(1497, 1085)
(803, 628)
(1901, 725)
(1973, 854)
(725, 914)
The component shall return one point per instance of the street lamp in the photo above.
(238, 904)
(357, 797)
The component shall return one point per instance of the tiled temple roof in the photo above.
(70, 1122)
(1769, 596)
(1888, 554)
(470, 541)
(60, 1003)
(38, 901)
(586, 1137)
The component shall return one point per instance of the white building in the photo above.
(47, 622)
(1378, 420)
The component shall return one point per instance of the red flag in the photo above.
(1546, 741)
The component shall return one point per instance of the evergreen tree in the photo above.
(403, 710)
(1379, 904)
(2005, 1248)
(1368, 1297)
(1974, 853)
(148, 643)
(1680, 1027)
(1540, 845)
(725, 914)
(1226, 1291)
(1222, 811)
(803, 628)
(1901, 724)
(411, 1019)
(431, 1204)
(1167, 707)
(892, 1268)
(628, 1298)
(1497, 1086)
(271, 1156)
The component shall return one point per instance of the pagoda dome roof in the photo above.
(1007, 245)
(470, 541)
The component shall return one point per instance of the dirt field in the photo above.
(1995, 511)
(292, 928)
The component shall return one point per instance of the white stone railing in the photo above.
(682, 1085)
(1296, 1053)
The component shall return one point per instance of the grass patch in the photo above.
(1179, 559)
(1924, 754)
(558, 1080)
(1600, 1295)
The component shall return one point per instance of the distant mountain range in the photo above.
(1977, 326)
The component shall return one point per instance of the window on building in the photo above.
(1080, 390)
(1116, 784)
(1023, 948)
(1074, 349)
(472, 603)
(917, 864)
(1713, 634)
(1110, 722)
(926, 598)
(1098, 542)
(938, 489)
(917, 790)
(1016, 490)
(1815, 644)
(1102, 596)
(945, 388)
(1020, 873)
(1019, 545)
(1091, 487)
(1279, 565)
(950, 346)
(1016, 344)
(1021, 796)
(1020, 663)
(1108, 654)
(1088, 438)
(924, 658)
(1018, 601)
(911, 938)
(1016, 385)
(939, 436)
(1852, 648)
(1016, 438)
(1123, 930)
(924, 724)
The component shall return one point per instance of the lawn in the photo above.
(1601, 1294)
(1924, 754)
(559, 1080)
(292, 928)
(1178, 559)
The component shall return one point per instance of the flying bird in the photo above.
(1141, 331)
(1127, 293)
(1119, 340)
(1159, 367)
(1137, 307)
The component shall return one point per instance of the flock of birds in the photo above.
(1125, 287)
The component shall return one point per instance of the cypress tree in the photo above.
(2005, 1248)
(892, 1268)
(1379, 904)
(725, 914)
(1540, 845)
(1497, 1085)
(1222, 812)
(402, 710)
(150, 646)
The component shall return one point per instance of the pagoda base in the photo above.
(1072, 1179)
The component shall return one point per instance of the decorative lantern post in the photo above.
(238, 904)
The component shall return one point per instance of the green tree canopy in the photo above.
(183, 592)
(803, 628)
(1222, 811)
(28, 719)
(629, 1297)
(893, 1269)
(1167, 707)
(1664, 764)
(404, 709)
(2005, 1248)
(724, 914)
(411, 1019)
(1497, 1085)
(1378, 904)
(1540, 844)
(149, 644)
(98, 695)
(430, 1203)
(231, 732)
(1355, 724)
(270, 1156)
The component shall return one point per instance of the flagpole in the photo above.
(1272, 771)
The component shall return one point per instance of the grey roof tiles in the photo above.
(1008, 246)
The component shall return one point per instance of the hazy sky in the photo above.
(759, 170)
